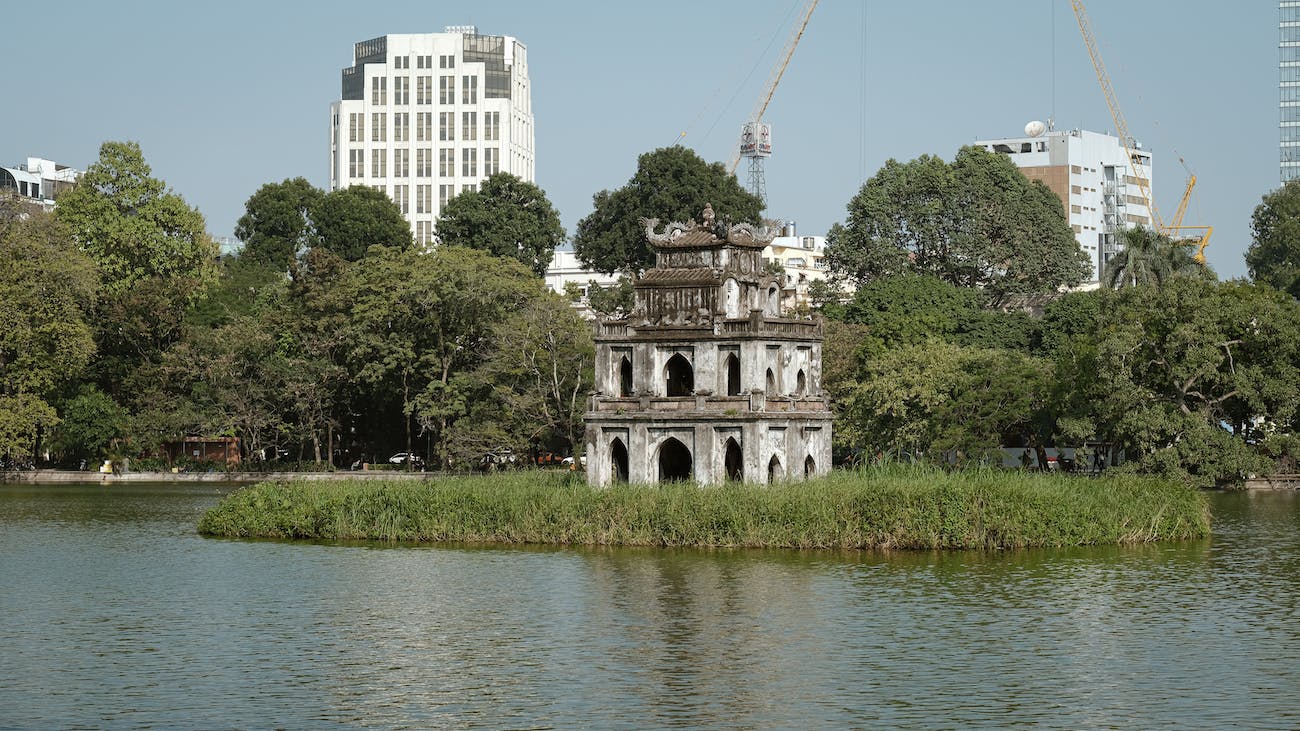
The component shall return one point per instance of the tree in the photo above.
(1274, 254)
(278, 223)
(91, 421)
(670, 184)
(536, 378)
(1149, 257)
(133, 226)
(351, 220)
(47, 292)
(418, 320)
(978, 222)
(1185, 377)
(507, 217)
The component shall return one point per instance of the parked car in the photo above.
(568, 462)
(401, 458)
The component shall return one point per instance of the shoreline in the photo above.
(64, 477)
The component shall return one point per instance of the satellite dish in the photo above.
(1035, 128)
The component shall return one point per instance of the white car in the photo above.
(404, 457)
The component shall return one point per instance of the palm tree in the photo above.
(1148, 257)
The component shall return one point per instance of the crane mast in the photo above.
(1121, 129)
(750, 145)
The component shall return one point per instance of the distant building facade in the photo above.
(1098, 185)
(707, 379)
(802, 257)
(424, 117)
(565, 269)
(39, 181)
(1289, 87)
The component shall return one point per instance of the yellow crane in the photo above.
(756, 116)
(1121, 128)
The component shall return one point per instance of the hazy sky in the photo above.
(224, 97)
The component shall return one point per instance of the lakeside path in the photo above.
(59, 477)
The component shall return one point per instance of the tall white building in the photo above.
(1289, 87)
(1099, 186)
(426, 116)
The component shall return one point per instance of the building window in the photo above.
(679, 377)
(401, 62)
(378, 127)
(444, 195)
(491, 161)
(356, 127)
(446, 89)
(446, 62)
(356, 163)
(447, 162)
(469, 187)
(379, 90)
(424, 90)
(422, 199)
(424, 162)
(379, 164)
(469, 162)
(492, 126)
(469, 125)
(402, 127)
(402, 90)
(424, 62)
(469, 90)
(424, 127)
(446, 126)
(402, 197)
(401, 163)
(421, 232)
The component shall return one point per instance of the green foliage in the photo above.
(895, 508)
(23, 418)
(1274, 254)
(1150, 258)
(279, 223)
(351, 220)
(975, 223)
(614, 299)
(670, 184)
(133, 227)
(238, 292)
(507, 217)
(91, 421)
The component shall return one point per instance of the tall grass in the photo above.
(892, 507)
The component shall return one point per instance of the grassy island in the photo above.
(888, 508)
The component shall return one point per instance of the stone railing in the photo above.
(779, 328)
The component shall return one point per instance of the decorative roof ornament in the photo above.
(706, 233)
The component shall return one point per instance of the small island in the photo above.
(892, 507)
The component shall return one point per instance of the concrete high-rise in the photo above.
(423, 117)
(1289, 87)
(1100, 188)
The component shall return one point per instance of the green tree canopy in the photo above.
(278, 223)
(1151, 258)
(507, 217)
(133, 226)
(1274, 254)
(670, 184)
(351, 220)
(978, 222)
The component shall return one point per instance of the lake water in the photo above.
(117, 615)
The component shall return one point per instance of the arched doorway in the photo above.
(733, 375)
(809, 467)
(734, 461)
(771, 383)
(801, 384)
(674, 461)
(625, 377)
(774, 472)
(773, 301)
(732, 299)
(679, 375)
(618, 461)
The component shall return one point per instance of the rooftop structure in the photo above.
(39, 181)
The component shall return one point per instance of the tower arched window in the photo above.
(733, 375)
(625, 377)
(679, 377)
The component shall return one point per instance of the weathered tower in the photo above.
(706, 379)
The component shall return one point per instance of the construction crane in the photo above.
(755, 137)
(1121, 129)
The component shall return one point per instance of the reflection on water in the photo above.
(118, 615)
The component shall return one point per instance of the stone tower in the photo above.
(707, 378)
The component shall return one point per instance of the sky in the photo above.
(225, 97)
